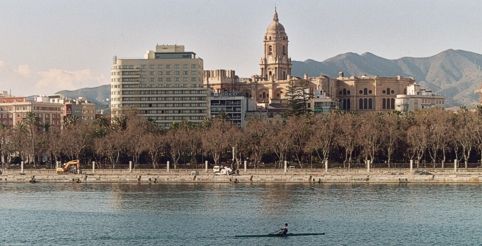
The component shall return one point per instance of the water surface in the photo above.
(195, 214)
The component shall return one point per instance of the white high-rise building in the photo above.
(165, 87)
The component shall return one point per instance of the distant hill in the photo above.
(455, 74)
(99, 95)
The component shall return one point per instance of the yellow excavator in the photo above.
(72, 166)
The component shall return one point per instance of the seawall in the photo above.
(387, 176)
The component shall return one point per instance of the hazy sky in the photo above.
(49, 45)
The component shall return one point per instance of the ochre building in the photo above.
(270, 86)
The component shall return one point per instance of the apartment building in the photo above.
(230, 106)
(14, 110)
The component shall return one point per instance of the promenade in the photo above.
(159, 176)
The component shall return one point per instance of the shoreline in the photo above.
(343, 176)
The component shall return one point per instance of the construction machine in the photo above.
(72, 166)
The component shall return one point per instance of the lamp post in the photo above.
(234, 154)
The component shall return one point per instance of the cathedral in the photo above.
(269, 88)
(272, 83)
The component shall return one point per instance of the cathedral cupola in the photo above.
(275, 64)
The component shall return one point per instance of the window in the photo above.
(384, 103)
(270, 49)
(284, 50)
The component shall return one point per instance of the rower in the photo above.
(284, 230)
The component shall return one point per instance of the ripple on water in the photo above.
(194, 214)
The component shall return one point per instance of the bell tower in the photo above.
(275, 63)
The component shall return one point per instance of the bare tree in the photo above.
(322, 135)
(347, 136)
(464, 135)
(214, 139)
(111, 146)
(277, 140)
(391, 133)
(478, 132)
(176, 144)
(236, 141)
(255, 132)
(135, 132)
(75, 139)
(298, 130)
(155, 146)
(417, 139)
(370, 137)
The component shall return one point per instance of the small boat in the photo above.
(282, 235)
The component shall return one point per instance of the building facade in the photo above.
(14, 110)
(164, 87)
(369, 93)
(229, 106)
(79, 109)
(270, 88)
(417, 98)
(321, 103)
(222, 80)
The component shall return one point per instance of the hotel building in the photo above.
(164, 87)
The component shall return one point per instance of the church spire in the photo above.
(275, 17)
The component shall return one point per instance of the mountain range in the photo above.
(454, 74)
(99, 95)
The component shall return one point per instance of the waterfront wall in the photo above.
(254, 176)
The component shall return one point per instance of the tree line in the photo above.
(430, 137)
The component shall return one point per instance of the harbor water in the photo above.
(212, 214)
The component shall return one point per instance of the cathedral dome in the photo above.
(275, 27)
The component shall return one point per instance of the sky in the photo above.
(52, 45)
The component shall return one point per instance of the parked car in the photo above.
(220, 170)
